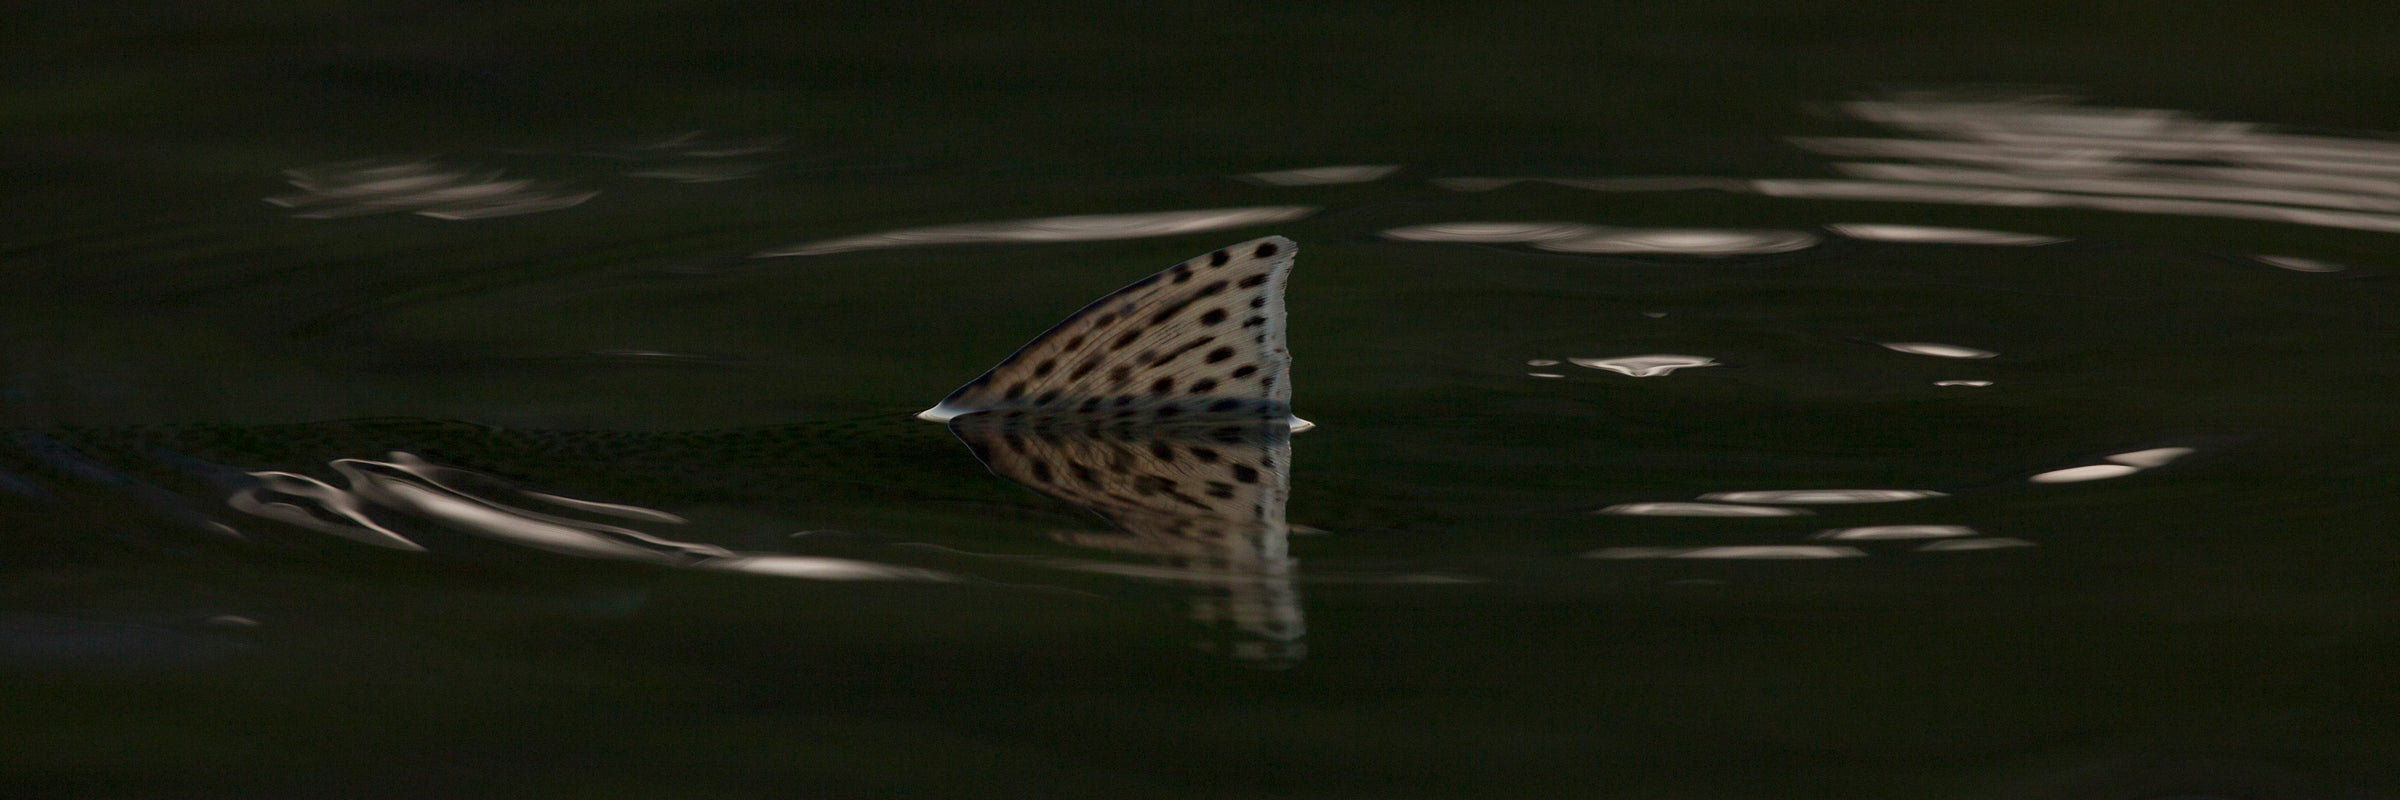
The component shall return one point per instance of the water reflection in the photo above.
(1318, 176)
(2119, 465)
(1088, 228)
(1920, 234)
(1201, 499)
(424, 188)
(1572, 237)
(694, 157)
(1679, 509)
(1963, 545)
(405, 501)
(1888, 532)
(1821, 496)
(2298, 264)
(2049, 151)
(1650, 366)
(1936, 350)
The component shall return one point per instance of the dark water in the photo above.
(448, 401)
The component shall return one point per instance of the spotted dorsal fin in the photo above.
(1202, 337)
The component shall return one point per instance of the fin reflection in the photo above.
(1202, 497)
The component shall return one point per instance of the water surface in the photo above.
(1709, 403)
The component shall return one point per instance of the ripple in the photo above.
(2153, 457)
(1930, 235)
(1649, 366)
(1678, 509)
(2040, 151)
(2093, 472)
(819, 568)
(1683, 241)
(361, 188)
(2297, 264)
(1874, 533)
(1936, 350)
(1491, 232)
(408, 493)
(2120, 465)
(1822, 496)
(1088, 228)
(1576, 237)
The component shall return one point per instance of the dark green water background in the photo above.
(2226, 626)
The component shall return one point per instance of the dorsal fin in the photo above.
(1202, 337)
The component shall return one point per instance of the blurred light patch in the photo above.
(1962, 383)
(2047, 151)
(695, 157)
(1318, 176)
(2120, 465)
(407, 492)
(2154, 457)
(1576, 237)
(1936, 350)
(1650, 366)
(1821, 496)
(2075, 184)
(1699, 510)
(361, 188)
(1492, 232)
(820, 569)
(1093, 228)
(2093, 472)
(1767, 552)
(1926, 235)
(2297, 264)
(1682, 241)
(1877, 533)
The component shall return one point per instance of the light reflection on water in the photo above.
(1319, 176)
(1569, 237)
(2040, 151)
(1085, 228)
(1650, 366)
(1937, 350)
(1933, 235)
(422, 188)
(1233, 566)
